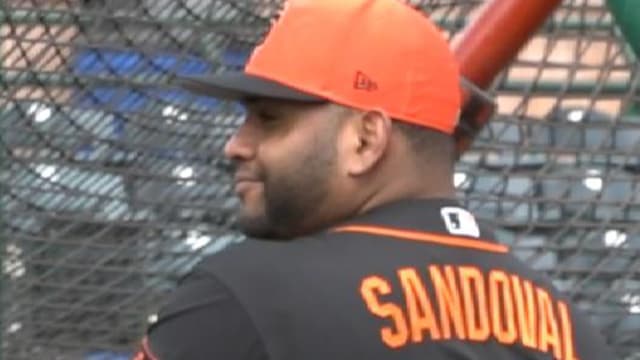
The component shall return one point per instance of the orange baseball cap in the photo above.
(366, 54)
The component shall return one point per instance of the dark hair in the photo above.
(432, 146)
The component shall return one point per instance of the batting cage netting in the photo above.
(113, 182)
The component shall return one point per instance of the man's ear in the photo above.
(368, 138)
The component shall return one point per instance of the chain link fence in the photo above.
(113, 183)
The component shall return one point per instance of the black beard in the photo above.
(292, 199)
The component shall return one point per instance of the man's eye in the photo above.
(267, 116)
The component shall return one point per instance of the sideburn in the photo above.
(293, 197)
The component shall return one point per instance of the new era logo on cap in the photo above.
(363, 82)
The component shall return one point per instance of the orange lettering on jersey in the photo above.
(449, 302)
(549, 335)
(419, 309)
(393, 336)
(473, 306)
(475, 303)
(525, 311)
(567, 332)
(502, 313)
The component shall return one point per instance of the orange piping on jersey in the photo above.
(446, 240)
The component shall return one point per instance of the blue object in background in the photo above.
(106, 62)
(102, 61)
(182, 98)
(98, 62)
(121, 99)
(235, 58)
(125, 63)
(111, 98)
(108, 355)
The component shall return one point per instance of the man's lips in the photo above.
(243, 182)
(240, 177)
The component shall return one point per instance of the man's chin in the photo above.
(256, 227)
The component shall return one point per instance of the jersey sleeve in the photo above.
(203, 320)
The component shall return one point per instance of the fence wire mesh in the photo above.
(113, 182)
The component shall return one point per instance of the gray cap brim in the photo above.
(242, 86)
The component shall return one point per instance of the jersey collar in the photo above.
(434, 215)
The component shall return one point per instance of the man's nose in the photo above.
(241, 145)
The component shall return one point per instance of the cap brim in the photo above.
(242, 86)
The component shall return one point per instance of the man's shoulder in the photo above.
(252, 256)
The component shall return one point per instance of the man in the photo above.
(357, 248)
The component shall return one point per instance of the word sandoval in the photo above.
(470, 305)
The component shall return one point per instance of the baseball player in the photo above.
(357, 247)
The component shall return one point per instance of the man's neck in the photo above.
(409, 189)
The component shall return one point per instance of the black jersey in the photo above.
(414, 279)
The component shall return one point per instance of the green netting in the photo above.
(113, 183)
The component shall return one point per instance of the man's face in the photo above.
(285, 156)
